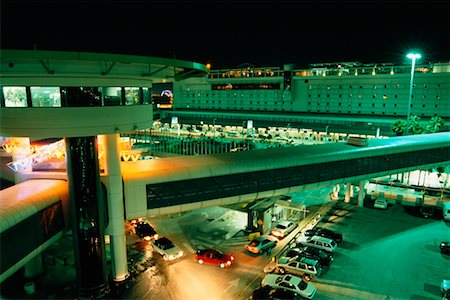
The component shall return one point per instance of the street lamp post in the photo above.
(413, 57)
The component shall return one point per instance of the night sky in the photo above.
(228, 34)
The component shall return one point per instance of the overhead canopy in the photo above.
(17, 64)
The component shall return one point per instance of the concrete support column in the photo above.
(348, 187)
(88, 216)
(116, 226)
(362, 192)
(21, 155)
(34, 267)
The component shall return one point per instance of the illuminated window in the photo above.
(112, 96)
(15, 96)
(45, 96)
(147, 94)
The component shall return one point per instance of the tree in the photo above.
(399, 127)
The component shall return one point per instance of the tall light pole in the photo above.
(412, 56)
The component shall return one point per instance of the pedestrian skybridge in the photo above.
(32, 211)
(184, 183)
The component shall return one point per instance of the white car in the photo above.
(291, 283)
(166, 248)
(380, 203)
(319, 242)
(283, 228)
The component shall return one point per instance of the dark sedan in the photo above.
(337, 237)
(145, 231)
(445, 247)
(267, 293)
(322, 256)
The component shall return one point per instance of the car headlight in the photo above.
(228, 262)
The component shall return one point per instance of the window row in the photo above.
(384, 96)
(20, 96)
(376, 86)
(432, 114)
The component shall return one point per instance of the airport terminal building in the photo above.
(89, 99)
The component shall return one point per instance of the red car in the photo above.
(215, 257)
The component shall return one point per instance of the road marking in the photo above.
(232, 283)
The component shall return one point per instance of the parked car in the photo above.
(283, 228)
(261, 244)
(291, 283)
(215, 257)
(325, 258)
(427, 211)
(166, 248)
(145, 231)
(317, 242)
(266, 292)
(304, 267)
(445, 247)
(445, 289)
(380, 203)
(327, 233)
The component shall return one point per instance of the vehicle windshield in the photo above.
(281, 226)
(254, 243)
(164, 243)
(302, 285)
(219, 254)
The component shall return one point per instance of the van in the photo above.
(446, 211)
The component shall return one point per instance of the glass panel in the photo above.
(15, 96)
(132, 96)
(147, 95)
(82, 96)
(45, 96)
(112, 96)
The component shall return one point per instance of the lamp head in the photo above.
(414, 55)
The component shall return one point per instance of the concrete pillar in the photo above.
(116, 226)
(34, 267)
(348, 186)
(88, 216)
(21, 156)
(362, 192)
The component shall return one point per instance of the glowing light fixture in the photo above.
(413, 57)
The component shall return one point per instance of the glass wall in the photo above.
(112, 96)
(15, 96)
(132, 96)
(45, 96)
(40, 96)
(147, 95)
